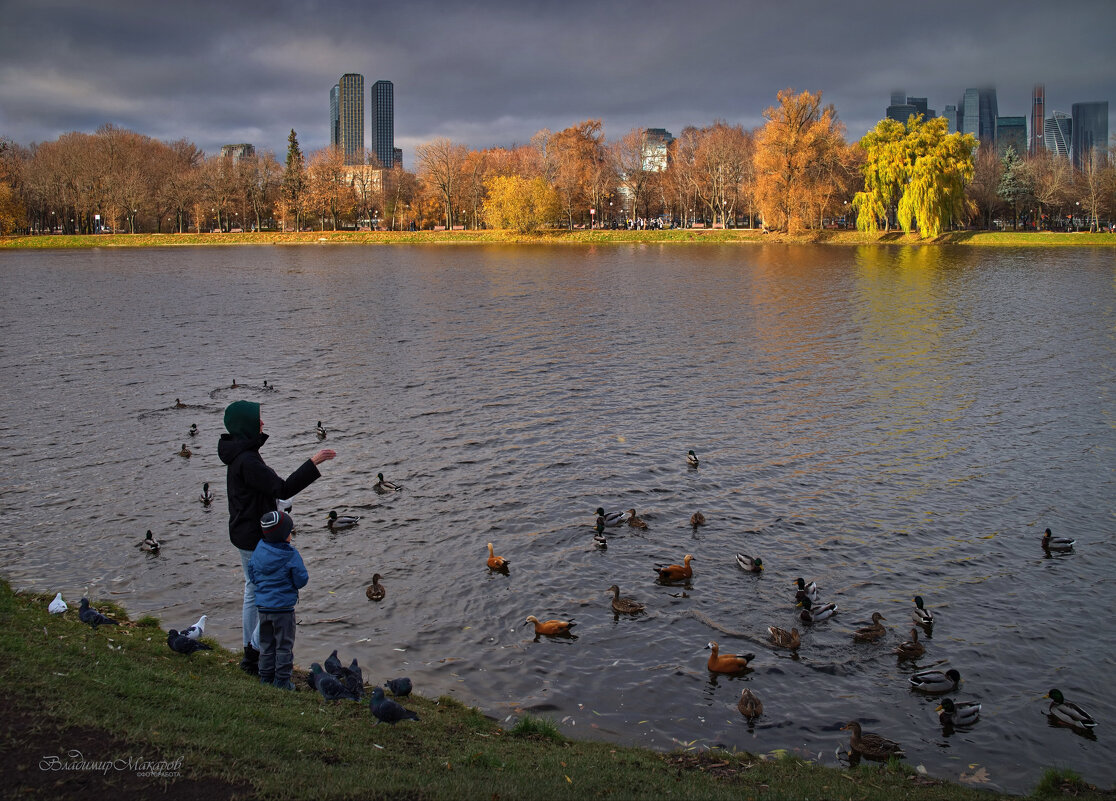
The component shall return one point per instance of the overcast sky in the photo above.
(493, 72)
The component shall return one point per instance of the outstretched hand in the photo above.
(324, 455)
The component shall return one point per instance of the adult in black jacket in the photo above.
(253, 489)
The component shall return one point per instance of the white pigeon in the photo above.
(197, 630)
(57, 606)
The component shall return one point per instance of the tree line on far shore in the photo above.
(794, 172)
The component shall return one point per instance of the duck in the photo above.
(811, 589)
(691, 459)
(958, 713)
(149, 544)
(634, 521)
(815, 614)
(57, 606)
(751, 564)
(726, 663)
(912, 648)
(935, 681)
(870, 745)
(234, 385)
(496, 562)
(920, 614)
(697, 519)
(320, 430)
(873, 632)
(1052, 543)
(750, 705)
(1068, 713)
(785, 639)
(611, 518)
(178, 404)
(624, 606)
(599, 538)
(676, 572)
(338, 522)
(383, 485)
(550, 627)
(375, 591)
(206, 495)
(185, 452)
(193, 432)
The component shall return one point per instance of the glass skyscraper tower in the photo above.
(350, 117)
(382, 98)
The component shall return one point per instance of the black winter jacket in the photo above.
(253, 487)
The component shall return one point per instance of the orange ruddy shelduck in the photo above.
(675, 572)
(727, 663)
(496, 562)
(550, 626)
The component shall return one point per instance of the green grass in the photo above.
(125, 682)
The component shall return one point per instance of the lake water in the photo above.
(885, 421)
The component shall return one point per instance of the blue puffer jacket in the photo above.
(278, 572)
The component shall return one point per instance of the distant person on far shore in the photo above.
(254, 490)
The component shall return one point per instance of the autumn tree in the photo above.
(366, 180)
(329, 191)
(983, 190)
(13, 215)
(630, 156)
(294, 181)
(521, 204)
(440, 167)
(260, 177)
(1052, 178)
(1092, 185)
(575, 157)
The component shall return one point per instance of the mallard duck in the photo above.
(815, 614)
(873, 632)
(193, 432)
(1052, 543)
(149, 543)
(870, 745)
(935, 681)
(752, 565)
(550, 626)
(611, 518)
(624, 606)
(912, 648)
(496, 562)
(185, 453)
(320, 430)
(375, 591)
(234, 385)
(206, 495)
(599, 538)
(385, 486)
(178, 404)
(676, 572)
(634, 521)
(810, 590)
(1068, 713)
(958, 713)
(691, 459)
(697, 519)
(750, 705)
(785, 639)
(920, 614)
(341, 522)
(727, 663)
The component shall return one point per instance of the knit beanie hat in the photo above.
(276, 526)
(242, 418)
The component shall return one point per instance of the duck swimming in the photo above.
(958, 713)
(750, 705)
(550, 627)
(675, 572)
(697, 519)
(785, 639)
(193, 432)
(935, 682)
(320, 430)
(873, 632)
(206, 495)
(811, 589)
(1052, 543)
(382, 485)
(624, 606)
(1069, 714)
(870, 745)
(752, 565)
(912, 648)
(375, 591)
(185, 452)
(815, 614)
(338, 522)
(149, 543)
(726, 663)
(496, 562)
(920, 614)
(691, 459)
(611, 518)
(599, 538)
(634, 521)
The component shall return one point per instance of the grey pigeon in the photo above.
(183, 644)
(387, 710)
(311, 677)
(330, 688)
(94, 618)
(197, 630)
(352, 679)
(399, 687)
(333, 665)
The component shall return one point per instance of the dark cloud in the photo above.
(495, 72)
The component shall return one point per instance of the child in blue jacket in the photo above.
(278, 572)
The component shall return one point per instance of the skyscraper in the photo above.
(350, 113)
(1038, 118)
(1056, 133)
(383, 122)
(335, 116)
(950, 114)
(978, 111)
(1011, 131)
(1090, 131)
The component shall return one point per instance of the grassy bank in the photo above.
(116, 692)
(741, 236)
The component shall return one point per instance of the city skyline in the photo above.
(494, 73)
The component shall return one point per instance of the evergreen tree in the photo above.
(1016, 183)
(294, 179)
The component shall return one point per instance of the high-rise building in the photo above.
(950, 114)
(968, 113)
(656, 149)
(350, 113)
(238, 152)
(382, 103)
(1056, 134)
(1038, 118)
(397, 157)
(1011, 131)
(335, 116)
(903, 107)
(978, 112)
(1090, 131)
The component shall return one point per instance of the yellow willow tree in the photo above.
(792, 154)
(521, 204)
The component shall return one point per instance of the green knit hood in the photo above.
(242, 419)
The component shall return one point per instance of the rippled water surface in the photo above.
(887, 422)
